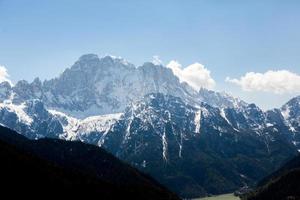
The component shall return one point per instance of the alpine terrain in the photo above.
(194, 142)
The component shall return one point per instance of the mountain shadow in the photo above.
(55, 168)
(283, 184)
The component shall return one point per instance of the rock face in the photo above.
(194, 142)
(31, 119)
(97, 86)
(197, 150)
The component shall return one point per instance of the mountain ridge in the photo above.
(35, 166)
(96, 86)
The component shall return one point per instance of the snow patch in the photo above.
(165, 145)
(286, 113)
(197, 121)
(223, 114)
(18, 110)
(74, 128)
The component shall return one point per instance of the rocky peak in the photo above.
(88, 57)
(36, 108)
(85, 64)
(22, 84)
(158, 72)
(292, 108)
(22, 91)
(37, 83)
(5, 91)
(96, 86)
(112, 61)
(5, 84)
(220, 99)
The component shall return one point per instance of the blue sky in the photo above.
(230, 38)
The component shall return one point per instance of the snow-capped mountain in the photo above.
(163, 135)
(220, 99)
(30, 119)
(194, 142)
(291, 113)
(97, 86)
(33, 120)
(91, 130)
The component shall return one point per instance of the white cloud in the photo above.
(278, 82)
(4, 76)
(196, 75)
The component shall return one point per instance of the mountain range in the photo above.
(194, 142)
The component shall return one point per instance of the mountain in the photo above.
(31, 119)
(70, 168)
(220, 99)
(196, 151)
(280, 185)
(97, 86)
(94, 86)
(291, 113)
(194, 142)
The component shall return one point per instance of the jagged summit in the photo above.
(293, 103)
(96, 86)
(220, 99)
(117, 59)
(88, 57)
(103, 85)
(92, 62)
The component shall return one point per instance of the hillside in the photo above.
(70, 168)
(280, 185)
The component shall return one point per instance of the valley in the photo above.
(220, 197)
